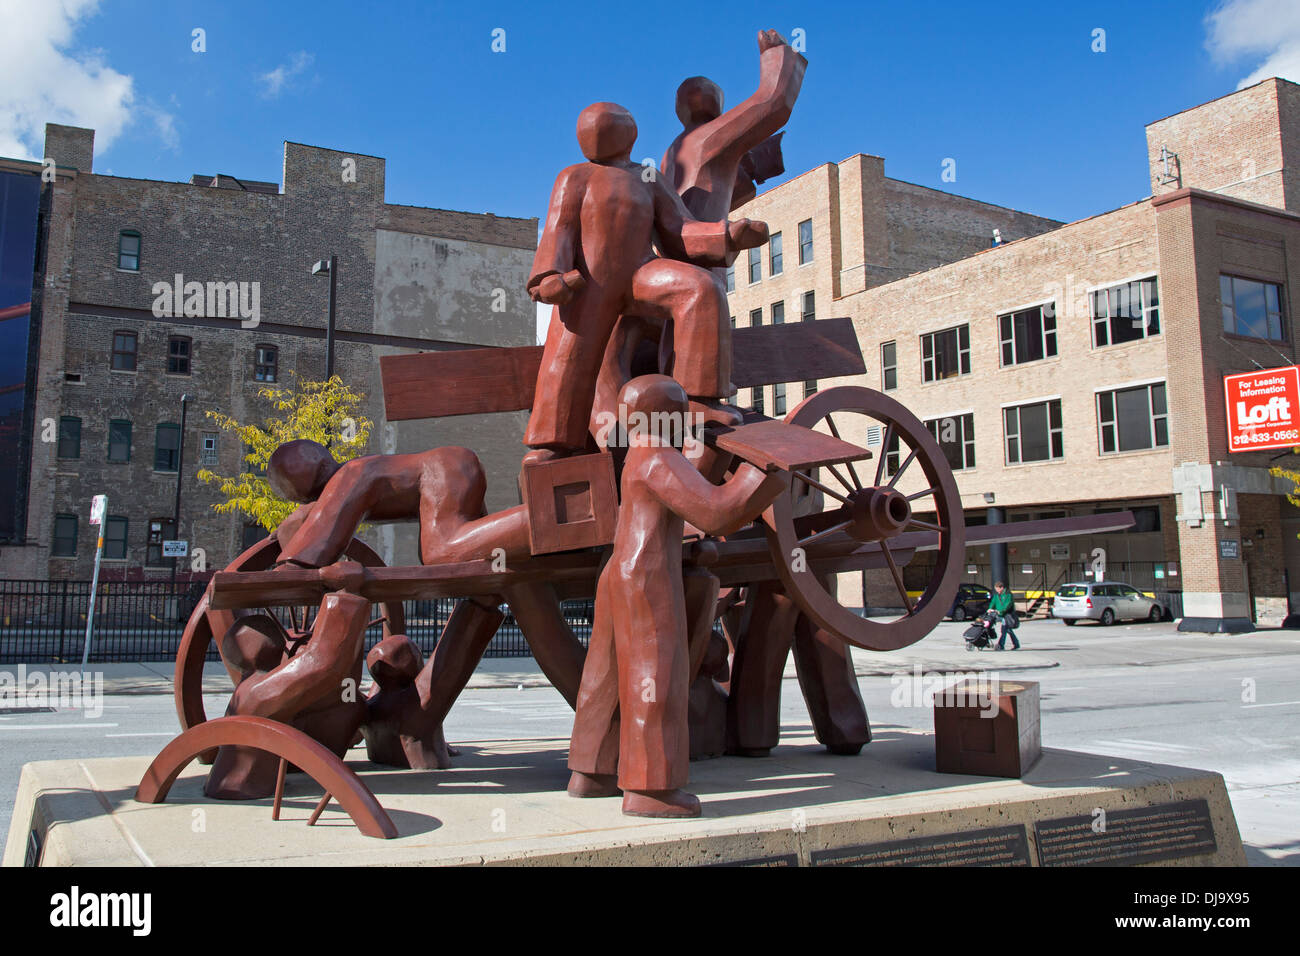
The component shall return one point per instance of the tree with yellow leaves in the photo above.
(326, 412)
(1292, 476)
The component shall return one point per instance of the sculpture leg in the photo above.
(830, 689)
(464, 638)
(698, 343)
(307, 690)
(593, 746)
(754, 705)
(566, 380)
(557, 650)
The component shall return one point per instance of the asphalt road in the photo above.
(1229, 704)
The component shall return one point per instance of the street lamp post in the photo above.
(180, 468)
(329, 267)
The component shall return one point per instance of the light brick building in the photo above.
(108, 373)
(1078, 368)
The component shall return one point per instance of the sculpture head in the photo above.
(298, 470)
(699, 100)
(655, 409)
(606, 132)
(254, 644)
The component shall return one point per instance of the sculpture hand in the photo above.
(746, 233)
(554, 290)
(768, 39)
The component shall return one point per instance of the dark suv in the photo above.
(972, 600)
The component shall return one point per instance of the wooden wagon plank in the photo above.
(472, 381)
(769, 443)
(444, 384)
(795, 352)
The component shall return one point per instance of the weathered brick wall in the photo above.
(223, 233)
(1232, 145)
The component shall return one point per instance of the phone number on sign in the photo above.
(1290, 434)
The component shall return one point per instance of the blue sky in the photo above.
(1012, 91)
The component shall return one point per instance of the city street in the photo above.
(1143, 692)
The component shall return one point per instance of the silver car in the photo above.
(1105, 601)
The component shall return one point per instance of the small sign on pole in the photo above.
(98, 505)
(175, 549)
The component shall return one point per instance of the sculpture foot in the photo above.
(538, 455)
(660, 803)
(593, 785)
(716, 411)
(749, 751)
(845, 750)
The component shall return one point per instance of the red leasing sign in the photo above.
(1263, 409)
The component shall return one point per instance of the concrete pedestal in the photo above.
(504, 802)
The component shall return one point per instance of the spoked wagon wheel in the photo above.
(876, 504)
(206, 625)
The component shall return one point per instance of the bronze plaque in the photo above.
(1165, 831)
(993, 846)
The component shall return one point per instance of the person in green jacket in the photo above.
(1002, 609)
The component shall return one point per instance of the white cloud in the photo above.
(1251, 29)
(42, 80)
(275, 81)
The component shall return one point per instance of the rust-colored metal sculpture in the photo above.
(631, 333)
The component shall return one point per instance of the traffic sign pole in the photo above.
(97, 513)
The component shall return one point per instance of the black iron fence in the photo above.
(45, 621)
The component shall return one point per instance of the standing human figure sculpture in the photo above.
(595, 261)
(630, 731)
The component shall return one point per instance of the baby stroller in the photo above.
(981, 635)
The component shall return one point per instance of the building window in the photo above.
(808, 313)
(1125, 313)
(758, 400)
(265, 363)
(128, 250)
(115, 537)
(774, 264)
(1028, 335)
(252, 534)
(69, 437)
(1131, 419)
(65, 536)
(956, 436)
(1252, 308)
(1034, 432)
(945, 354)
(892, 456)
(731, 277)
(755, 265)
(755, 317)
(808, 310)
(178, 355)
(778, 313)
(889, 366)
(124, 351)
(167, 448)
(160, 530)
(251, 466)
(208, 449)
(119, 440)
(778, 399)
(805, 242)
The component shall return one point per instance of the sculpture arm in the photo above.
(684, 237)
(749, 123)
(557, 249)
(323, 535)
(714, 509)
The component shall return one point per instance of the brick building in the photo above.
(106, 372)
(1073, 369)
